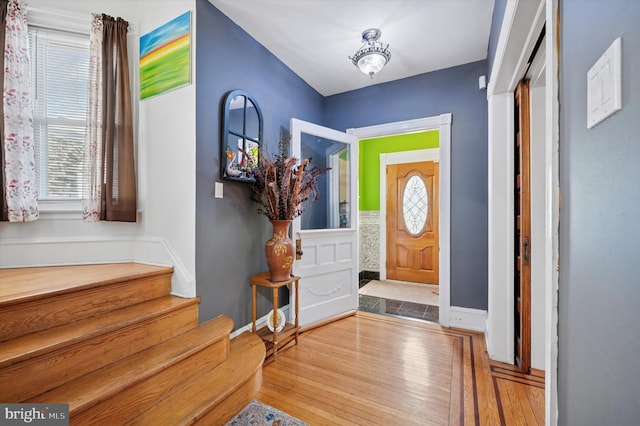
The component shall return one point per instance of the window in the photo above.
(60, 72)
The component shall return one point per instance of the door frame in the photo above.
(442, 123)
(540, 260)
(521, 25)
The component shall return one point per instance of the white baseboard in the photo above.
(33, 252)
(260, 322)
(467, 318)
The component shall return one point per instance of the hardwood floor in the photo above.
(372, 369)
(520, 396)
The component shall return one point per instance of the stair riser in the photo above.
(34, 376)
(29, 317)
(143, 395)
(219, 393)
(232, 405)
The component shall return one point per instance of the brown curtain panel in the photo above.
(119, 193)
(4, 211)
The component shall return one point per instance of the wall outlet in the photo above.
(218, 190)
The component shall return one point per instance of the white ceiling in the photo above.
(315, 37)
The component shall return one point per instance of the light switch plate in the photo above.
(218, 190)
(604, 85)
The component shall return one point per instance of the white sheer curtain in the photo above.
(92, 176)
(20, 198)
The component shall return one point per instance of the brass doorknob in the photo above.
(299, 252)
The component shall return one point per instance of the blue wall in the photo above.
(599, 299)
(230, 235)
(455, 91)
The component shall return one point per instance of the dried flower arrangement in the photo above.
(282, 185)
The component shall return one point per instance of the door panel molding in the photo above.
(328, 266)
(442, 123)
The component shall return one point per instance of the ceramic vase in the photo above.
(280, 251)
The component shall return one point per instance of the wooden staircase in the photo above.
(112, 342)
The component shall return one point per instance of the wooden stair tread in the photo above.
(99, 385)
(110, 341)
(25, 284)
(31, 316)
(34, 344)
(200, 396)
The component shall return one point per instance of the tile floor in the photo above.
(396, 307)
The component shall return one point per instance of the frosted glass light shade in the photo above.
(372, 63)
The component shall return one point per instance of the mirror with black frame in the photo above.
(241, 133)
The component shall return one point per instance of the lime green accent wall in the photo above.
(369, 151)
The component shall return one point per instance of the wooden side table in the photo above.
(274, 340)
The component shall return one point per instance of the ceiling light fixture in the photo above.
(373, 55)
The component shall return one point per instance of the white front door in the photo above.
(327, 230)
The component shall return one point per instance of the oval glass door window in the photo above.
(415, 204)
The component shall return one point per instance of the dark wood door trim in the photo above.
(522, 231)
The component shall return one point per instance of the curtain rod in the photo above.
(79, 23)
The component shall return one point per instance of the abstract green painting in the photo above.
(165, 57)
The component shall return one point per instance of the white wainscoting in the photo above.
(369, 227)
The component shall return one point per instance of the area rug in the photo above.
(416, 293)
(259, 414)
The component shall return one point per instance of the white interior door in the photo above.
(328, 267)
